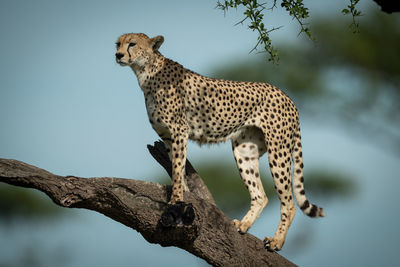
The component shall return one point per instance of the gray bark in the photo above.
(139, 205)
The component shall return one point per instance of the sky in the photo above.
(67, 107)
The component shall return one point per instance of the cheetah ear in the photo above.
(156, 42)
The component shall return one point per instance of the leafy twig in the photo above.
(299, 12)
(354, 25)
(295, 8)
(254, 13)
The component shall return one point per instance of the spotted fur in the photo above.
(257, 117)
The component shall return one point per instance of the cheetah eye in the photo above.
(118, 44)
(132, 44)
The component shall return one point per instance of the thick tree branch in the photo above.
(139, 205)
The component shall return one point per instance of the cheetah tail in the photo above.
(298, 183)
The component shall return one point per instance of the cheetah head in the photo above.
(136, 49)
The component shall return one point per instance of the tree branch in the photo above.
(139, 205)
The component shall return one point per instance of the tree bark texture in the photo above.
(140, 205)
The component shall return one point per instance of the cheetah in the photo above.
(256, 117)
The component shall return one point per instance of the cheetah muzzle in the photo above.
(256, 117)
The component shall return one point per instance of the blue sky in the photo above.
(67, 107)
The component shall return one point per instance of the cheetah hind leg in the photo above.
(247, 148)
(280, 169)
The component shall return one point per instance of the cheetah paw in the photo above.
(178, 213)
(271, 244)
(242, 227)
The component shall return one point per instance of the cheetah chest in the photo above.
(157, 118)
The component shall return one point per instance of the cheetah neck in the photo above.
(147, 70)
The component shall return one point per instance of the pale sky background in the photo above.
(67, 107)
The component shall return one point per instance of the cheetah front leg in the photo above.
(177, 211)
(178, 159)
(168, 147)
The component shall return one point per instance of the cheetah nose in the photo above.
(119, 55)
